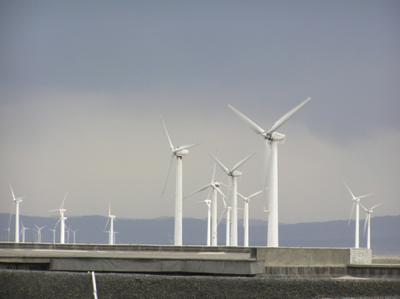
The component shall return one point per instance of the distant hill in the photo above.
(90, 229)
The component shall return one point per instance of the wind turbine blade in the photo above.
(375, 206)
(241, 162)
(167, 178)
(253, 125)
(12, 192)
(223, 167)
(365, 195)
(364, 207)
(267, 163)
(214, 173)
(220, 192)
(222, 214)
(366, 222)
(241, 195)
(171, 146)
(186, 146)
(254, 194)
(55, 225)
(198, 190)
(65, 197)
(286, 117)
(351, 213)
(109, 209)
(348, 188)
(108, 221)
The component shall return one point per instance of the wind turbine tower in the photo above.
(23, 231)
(246, 200)
(272, 138)
(367, 223)
(356, 204)
(233, 173)
(177, 152)
(17, 201)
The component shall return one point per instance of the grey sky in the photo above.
(83, 84)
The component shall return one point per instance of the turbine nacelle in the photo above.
(235, 173)
(274, 136)
(181, 152)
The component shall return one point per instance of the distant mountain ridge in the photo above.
(90, 229)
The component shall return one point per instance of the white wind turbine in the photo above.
(367, 222)
(356, 204)
(53, 231)
(17, 201)
(208, 204)
(23, 231)
(73, 235)
(8, 229)
(214, 187)
(233, 173)
(272, 138)
(39, 233)
(246, 200)
(110, 220)
(61, 220)
(177, 152)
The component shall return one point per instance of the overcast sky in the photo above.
(83, 85)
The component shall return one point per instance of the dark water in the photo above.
(41, 284)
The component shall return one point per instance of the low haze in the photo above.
(83, 86)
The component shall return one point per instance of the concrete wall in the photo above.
(313, 257)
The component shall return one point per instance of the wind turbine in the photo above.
(356, 203)
(53, 230)
(74, 235)
(62, 219)
(177, 152)
(111, 230)
(272, 138)
(39, 232)
(246, 200)
(214, 187)
(208, 204)
(367, 222)
(17, 201)
(23, 230)
(233, 173)
(8, 229)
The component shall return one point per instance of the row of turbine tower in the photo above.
(64, 229)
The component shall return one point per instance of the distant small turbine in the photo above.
(110, 221)
(213, 186)
(246, 200)
(233, 173)
(61, 219)
(53, 230)
(17, 201)
(208, 204)
(367, 222)
(74, 235)
(356, 203)
(38, 230)
(23, 231)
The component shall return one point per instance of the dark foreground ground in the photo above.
(45, 284)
